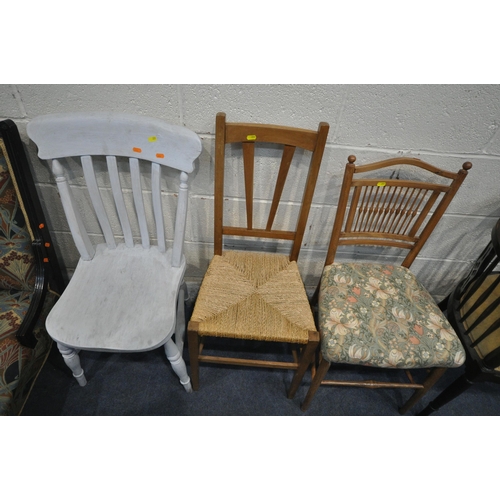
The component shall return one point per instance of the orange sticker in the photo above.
(137, 150)
(160, 155)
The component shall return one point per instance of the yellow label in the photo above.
(152, 138)
(380, 184)
(251, 137)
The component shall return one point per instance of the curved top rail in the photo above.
(62, 135)
(407, 161)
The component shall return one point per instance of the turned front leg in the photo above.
(72, 359)
(178, 364)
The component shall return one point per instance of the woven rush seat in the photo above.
(380, 315)
(254, 296)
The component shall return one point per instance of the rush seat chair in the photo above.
(258, 296)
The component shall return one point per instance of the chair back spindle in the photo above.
(387, 211)
(248, 135)
(116, 137)
(75, 222)
(476, 305)
(139, 201)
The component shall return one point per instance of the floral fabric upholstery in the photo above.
(19, 365)
(380, 315)
(16, 256)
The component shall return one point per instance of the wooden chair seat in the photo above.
(144, 316)
(254, 296)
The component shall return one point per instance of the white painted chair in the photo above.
(124, 296)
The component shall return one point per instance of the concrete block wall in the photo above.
(445, 125)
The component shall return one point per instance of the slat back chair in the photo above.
(375, 314)
(124, 293)
(248, 134)
(390, 211)
(473, 309)
(247, 295)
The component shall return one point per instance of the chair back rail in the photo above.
(477, 304)
(391, 212)
(143, 141)
(248, 134)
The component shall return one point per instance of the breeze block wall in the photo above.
(444, 125)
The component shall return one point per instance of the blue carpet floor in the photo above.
(144, 384)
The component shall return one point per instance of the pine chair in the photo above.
(257, 295)
(124, 296)
(375, 314)
(473, 310)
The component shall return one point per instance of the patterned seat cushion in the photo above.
(380, 315)
(13, 356)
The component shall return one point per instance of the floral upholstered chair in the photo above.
(377, 314)
(27, 260)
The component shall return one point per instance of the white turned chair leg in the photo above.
(178, 364)
(72, 359)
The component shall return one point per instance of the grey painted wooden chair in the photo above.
(125, 295)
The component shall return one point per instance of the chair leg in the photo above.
(72, 360)
(178, 364)
(443, 305)
(316, 382)
(306, 358)
(451, 392)
(194, 349)
(180, 327)
(433, 377)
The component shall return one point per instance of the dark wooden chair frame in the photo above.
(477, 368)
(47, 268)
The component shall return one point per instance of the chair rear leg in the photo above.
(316, 382)
(306, 358)
(433, 377)
(72, 360)
(451, 392)
(194, 349)
(180, 327)
(178, 364)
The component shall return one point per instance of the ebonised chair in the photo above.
(30, 275)
(473, 309)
